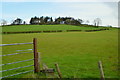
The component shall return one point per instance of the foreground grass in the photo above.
(19, 28)
(76, 53)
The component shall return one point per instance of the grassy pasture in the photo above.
(20, 28)
(77, 53)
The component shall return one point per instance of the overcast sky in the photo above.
(25, 9)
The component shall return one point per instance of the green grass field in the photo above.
(77, 53)
(20, 28)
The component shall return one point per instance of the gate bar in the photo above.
(14, 44)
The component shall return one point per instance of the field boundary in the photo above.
(52, 31)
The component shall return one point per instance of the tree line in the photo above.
(49, 21)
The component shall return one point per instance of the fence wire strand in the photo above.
(14, 44)
(15, 53)
(16, 68)
(16, 62)
(17, 74)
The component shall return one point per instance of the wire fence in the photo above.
(31, 51)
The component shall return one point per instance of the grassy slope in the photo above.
(76, 53)
(19, 28)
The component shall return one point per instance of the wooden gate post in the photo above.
(36, 56)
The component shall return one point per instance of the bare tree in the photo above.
(3, 22)
(97, 22)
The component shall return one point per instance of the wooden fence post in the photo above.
(36, 56)
(101, 70)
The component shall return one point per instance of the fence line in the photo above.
(14, 44)
(17, 74)
(16, 68)
(15, 53)
(16, 62)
